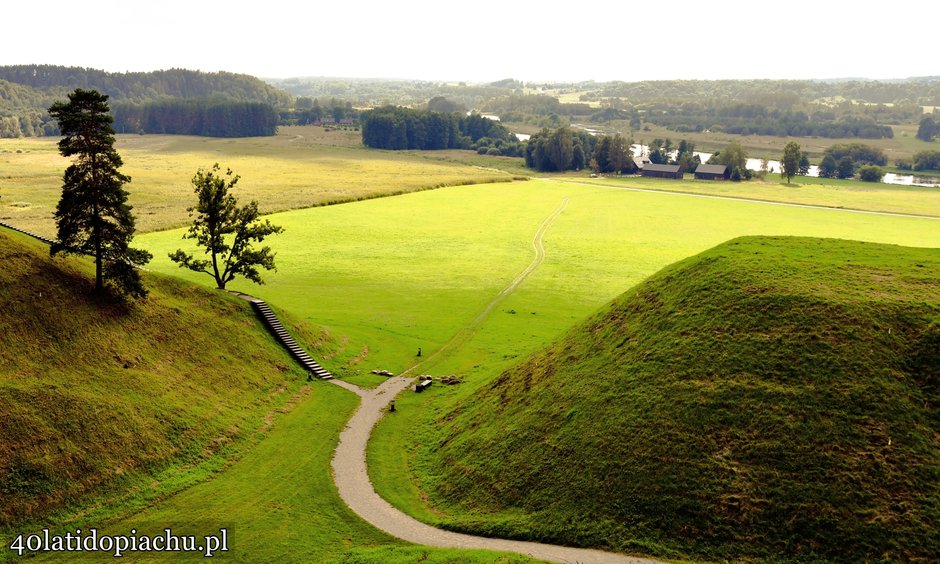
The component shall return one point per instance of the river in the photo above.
(774, 167)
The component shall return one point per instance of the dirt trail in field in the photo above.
(352, 478)
(468, 331)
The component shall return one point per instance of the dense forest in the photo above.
(146, 86)
(395, 127)
(207, 117)
(568, 149)
(169, 101)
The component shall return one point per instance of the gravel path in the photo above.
(349, 472)
(352, 478)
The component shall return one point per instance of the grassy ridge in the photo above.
(769, 398)
(279, 502)
(178, 412)
(98, 400)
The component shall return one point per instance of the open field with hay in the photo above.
(300, 167)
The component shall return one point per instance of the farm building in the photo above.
(640, 162)
(662, 171)
(712, 172)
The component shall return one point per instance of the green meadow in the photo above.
(388, 276)
(803, 190)
(279, 501)
(385, 277)
(179, 412)
(298, 168)
(412, 271)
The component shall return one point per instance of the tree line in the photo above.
(845, 160)
(922, 160)
(396, 128)
(757, 120)
(567, 149)
(146, 86)
(206, 117)
(211, 101)
(776, 93)
(310, 111)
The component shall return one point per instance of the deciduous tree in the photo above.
(928, 129)
(828, 167)
(734, 156)
(870, 173)
(790, 163)
(846, 168)
(93, 216)
(226, 231)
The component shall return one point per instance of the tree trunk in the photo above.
(96, 235)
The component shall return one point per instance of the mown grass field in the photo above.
(394, 275)
(397, 274)
(298, 168)
(388, 276)
(828, 192)
(411, 271)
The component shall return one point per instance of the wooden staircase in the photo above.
(277, 329)
(33, 235)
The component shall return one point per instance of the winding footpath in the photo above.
(352, 479)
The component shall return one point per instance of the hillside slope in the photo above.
(769, 398)
(99, 401)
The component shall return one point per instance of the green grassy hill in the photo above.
(768, 398)
(111, 407)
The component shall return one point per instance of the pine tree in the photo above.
(93, 216)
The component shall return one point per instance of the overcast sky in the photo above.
(482, 40)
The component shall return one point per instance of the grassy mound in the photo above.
(768, 398)
(112, 406)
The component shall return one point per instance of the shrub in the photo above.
(870, 173)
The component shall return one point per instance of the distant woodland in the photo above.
(227, 104)
(171, 101)
(392, 127)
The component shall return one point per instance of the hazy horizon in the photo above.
(483, 42)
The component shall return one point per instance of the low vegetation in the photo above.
(769, 398)
(100, 400)
(300, 167)
(170, 414)
(806, 190)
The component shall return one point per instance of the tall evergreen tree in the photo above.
(93, 216)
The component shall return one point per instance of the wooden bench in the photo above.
(423, 385)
